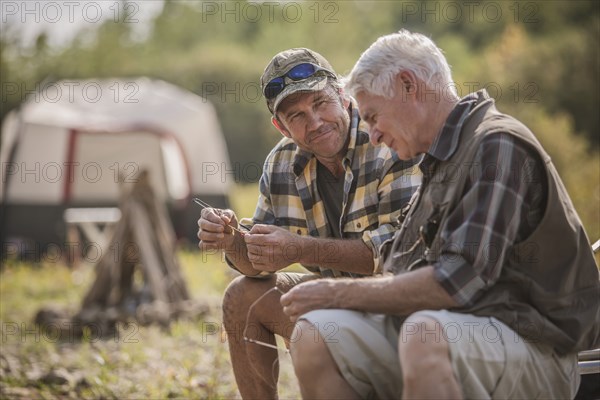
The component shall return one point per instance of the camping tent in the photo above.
(69, 143)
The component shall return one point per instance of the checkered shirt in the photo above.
(377, 186)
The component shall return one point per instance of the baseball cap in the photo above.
(283, 62)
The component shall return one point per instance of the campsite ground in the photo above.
(187, 360)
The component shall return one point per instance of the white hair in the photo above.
(376, 69)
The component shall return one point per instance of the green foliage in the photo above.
(544, 57)
(516, 54)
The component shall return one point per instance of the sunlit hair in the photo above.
(376, 69)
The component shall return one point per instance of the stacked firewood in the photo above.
(140, 280)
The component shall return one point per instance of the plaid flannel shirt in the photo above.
(502, 204)
(377, 186)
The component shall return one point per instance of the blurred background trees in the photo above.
(540, 60)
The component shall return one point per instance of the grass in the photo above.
(190, 359)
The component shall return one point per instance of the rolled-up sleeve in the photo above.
(263, 213)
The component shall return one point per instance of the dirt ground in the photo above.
(189, 359)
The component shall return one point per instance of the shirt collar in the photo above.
(446, 142)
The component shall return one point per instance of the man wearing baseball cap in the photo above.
(328, 199)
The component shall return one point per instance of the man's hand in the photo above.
(214, 229)
(312, 295)
(271, 248)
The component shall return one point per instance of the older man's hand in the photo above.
(313, 295)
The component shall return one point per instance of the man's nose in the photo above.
(314, 121)
(375, 136)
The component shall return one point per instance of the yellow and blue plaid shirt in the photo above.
(377, 186)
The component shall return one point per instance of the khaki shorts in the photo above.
(287, 280)
(490, 361)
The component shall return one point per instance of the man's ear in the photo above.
(280, 127)
(345, 98)
(406, 85)
(406, 82)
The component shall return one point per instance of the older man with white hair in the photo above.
(481, 299)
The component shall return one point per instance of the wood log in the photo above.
(151, 264)
(143, 240)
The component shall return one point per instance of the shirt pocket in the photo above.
(360, 224)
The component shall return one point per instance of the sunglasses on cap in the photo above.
(298, 73)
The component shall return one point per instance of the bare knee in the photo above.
(424, 352)
(237, 299)
(241, 294)
(232, 299)
(309, 351)
(422, 345)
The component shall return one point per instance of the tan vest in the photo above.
(548, 289)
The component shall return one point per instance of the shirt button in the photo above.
(299, 232)
(358, 225)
